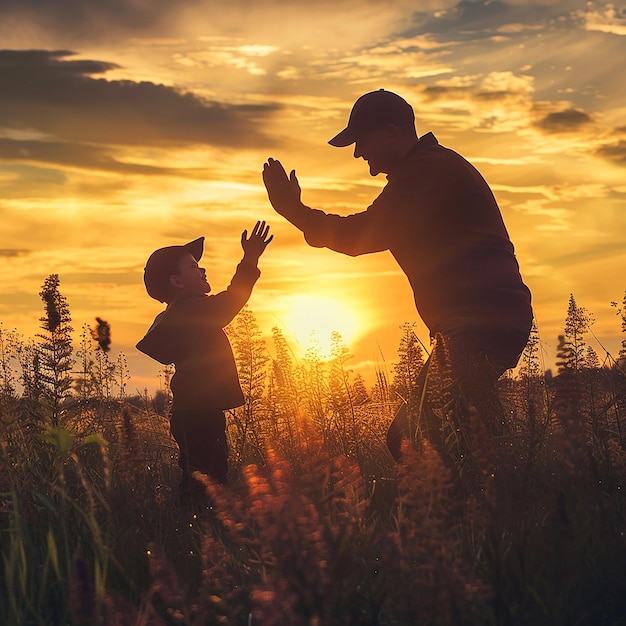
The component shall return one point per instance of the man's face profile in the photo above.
(376, 147)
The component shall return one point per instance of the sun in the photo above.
(312, 319)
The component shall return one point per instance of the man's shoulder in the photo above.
(428, 149)
(428, 140)
(427, 161)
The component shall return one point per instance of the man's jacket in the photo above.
(441, 222)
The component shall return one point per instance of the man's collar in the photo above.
(423, 143)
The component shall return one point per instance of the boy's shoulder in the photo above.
(186, 306)
(203, 308)
(157, 340)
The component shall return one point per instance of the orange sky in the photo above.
(123, 130)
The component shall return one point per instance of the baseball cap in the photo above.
(371, 111)
(163, 262)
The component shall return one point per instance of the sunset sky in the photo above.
(128, 125)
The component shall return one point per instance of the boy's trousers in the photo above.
(201, 438)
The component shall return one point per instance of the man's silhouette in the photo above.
(441, 222)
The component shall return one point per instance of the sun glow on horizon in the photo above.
(311, 319)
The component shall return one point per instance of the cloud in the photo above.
(78, 156)
(470, 20)
(488, 87)
(80, 23)
(12, 253)
(615, 152)
(472, 17)
(90, 19)
(568, 120)
(606, 20)
(54, 94)
(226, 52)
(496, 101)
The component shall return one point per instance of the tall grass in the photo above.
(317, 525)
(92, 533)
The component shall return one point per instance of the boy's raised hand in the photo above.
(254, 245)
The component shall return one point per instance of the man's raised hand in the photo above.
(283, 192)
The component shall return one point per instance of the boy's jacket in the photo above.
(189, 334)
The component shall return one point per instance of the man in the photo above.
(441, 222)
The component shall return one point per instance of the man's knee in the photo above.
(397, 431)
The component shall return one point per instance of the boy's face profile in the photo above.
(190, 279)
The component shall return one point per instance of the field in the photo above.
(318, 525)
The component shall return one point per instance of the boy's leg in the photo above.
(213, 459)
(201, 437)
(178, 431)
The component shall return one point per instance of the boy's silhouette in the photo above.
(189, 334)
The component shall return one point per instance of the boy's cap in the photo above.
(371, 111)
(163, 263)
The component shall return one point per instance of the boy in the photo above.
(189, 334)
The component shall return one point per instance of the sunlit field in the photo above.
(318, 525)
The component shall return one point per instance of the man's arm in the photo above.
(354, 234)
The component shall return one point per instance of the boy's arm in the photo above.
(228, 303)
